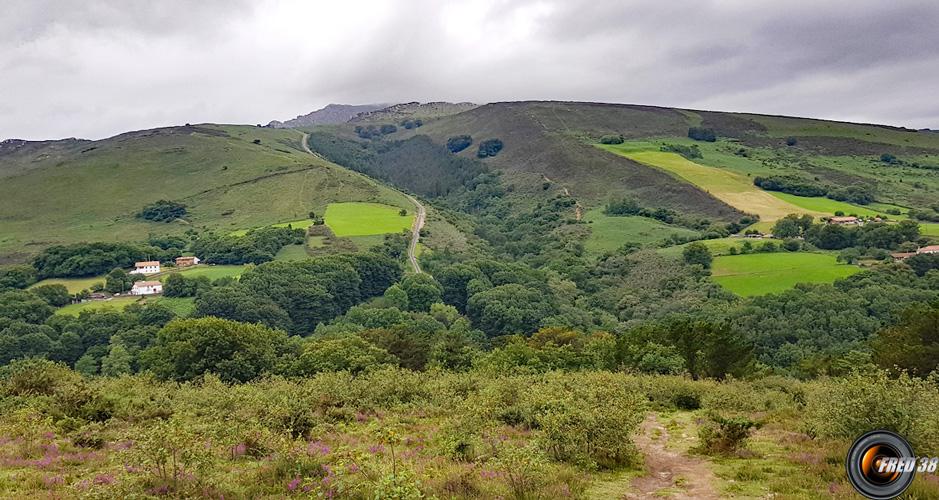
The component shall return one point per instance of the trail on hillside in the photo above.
(578, 209)
(419, 218)
(673, 472)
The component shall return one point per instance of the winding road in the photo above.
(418, 219)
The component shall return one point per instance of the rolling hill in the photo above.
(556, 141)
(237, 177)
(229, 177)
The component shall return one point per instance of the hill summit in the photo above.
(329, 115)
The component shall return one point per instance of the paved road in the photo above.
(418, 219)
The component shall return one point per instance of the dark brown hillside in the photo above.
(553, 140)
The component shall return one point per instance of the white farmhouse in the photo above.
(146, 267)
(146, 288)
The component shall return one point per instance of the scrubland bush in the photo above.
(849, 407)
(724, 436)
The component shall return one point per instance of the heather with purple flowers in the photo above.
(317, 448)
(294, 484)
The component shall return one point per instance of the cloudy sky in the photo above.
(94, 68)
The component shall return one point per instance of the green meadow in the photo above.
(829, 206)
(116, 303)
(74, 285)
(182, 306)
(292, 252)
(722, 246)
(363, 219)
(610, 233)
(213, 272)
(762, 273)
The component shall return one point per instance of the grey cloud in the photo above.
(97, 68)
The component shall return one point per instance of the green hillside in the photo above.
(229, 177)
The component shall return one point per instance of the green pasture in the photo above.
(74, 285)
(292, 252)
(182, 306)
(213, 272)
(829, 206)
(722, 246)
(762, 273)
(116, 303)
(610, 233)
(363, 219)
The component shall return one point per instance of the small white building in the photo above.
(146, 267)
(147, 288)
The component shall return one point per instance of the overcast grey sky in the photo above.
(94, 68)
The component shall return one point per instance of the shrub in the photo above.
(585, 420)
(54, 294)
(489, 147)
(702, 134)
(459, 143)
(724, 436)
(690, 152)
(846, 408)
(612, 139)
(162, 211)
(791, 141)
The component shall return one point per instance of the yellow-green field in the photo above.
(363, 219)
(762, 273)
(929, 229)
(730, 187)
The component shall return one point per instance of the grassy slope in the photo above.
(762, 273)
(780, 126)
(91, 190)
(609, 233)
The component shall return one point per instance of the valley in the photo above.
(526, 299)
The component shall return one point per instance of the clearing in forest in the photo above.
(361, 219)
(762, 273)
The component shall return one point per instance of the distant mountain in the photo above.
(331, 114)
(425, 110)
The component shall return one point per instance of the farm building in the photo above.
(902, 255)
(929, 249)
(186, 261)
(146, 267)
(147, 288)
(845, 220)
